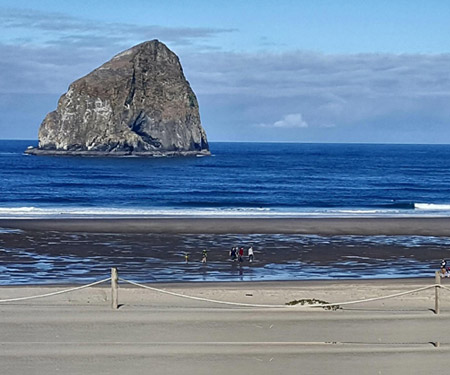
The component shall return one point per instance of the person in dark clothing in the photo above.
(241, 255)
(233, 255)
(444, 267)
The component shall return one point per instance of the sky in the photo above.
(263, 71)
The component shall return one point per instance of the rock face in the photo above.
(137, 103)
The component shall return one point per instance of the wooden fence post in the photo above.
(114, 288)
(436, 292)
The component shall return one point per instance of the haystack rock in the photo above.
(138, 103)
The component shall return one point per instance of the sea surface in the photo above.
(238, 180)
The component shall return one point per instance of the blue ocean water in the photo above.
(263, 179)
(239, 179)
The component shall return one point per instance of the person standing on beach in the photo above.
(444, 267)
(233, 254)
(241, 255)
(250, 254)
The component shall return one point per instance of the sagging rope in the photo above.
(55, 293)
(374, 298)
(443, 286)
(318, 305)
(200, 298)
(279, 306)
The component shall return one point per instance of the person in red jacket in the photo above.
(241, 254)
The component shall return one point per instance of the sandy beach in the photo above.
(424, 226)
(80, 333)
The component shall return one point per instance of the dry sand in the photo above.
(154, 333)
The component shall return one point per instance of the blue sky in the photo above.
(296, 71)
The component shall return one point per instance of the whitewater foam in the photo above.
(116, 212)
(432, 207)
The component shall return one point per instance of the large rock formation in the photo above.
(137, 103)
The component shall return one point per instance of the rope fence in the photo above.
(436, 286)
(317, 305)
(199, 298)
(374, 298)
(55, 293)
(115, 304)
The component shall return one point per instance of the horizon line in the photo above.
(289, 142)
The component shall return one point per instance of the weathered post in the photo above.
(437, 286)
(114, 288)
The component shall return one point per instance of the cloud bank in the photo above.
(61, 29)
(362, 96)
(295, 96)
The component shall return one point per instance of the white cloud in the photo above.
(294, 120)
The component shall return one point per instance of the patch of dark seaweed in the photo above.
(313, 301)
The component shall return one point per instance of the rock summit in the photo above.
(138, 103)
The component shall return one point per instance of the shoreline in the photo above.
(426, 226)
(154, 249)
(36, 151)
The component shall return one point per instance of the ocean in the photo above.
(238, 180)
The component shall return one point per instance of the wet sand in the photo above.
(36, 251)
(424, 226)
(79, 333)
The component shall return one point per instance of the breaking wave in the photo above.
(432, 207)
(417, 209)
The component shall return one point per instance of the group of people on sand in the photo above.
(204, 256)
(237, 253)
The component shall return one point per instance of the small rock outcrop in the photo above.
(138, 103)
